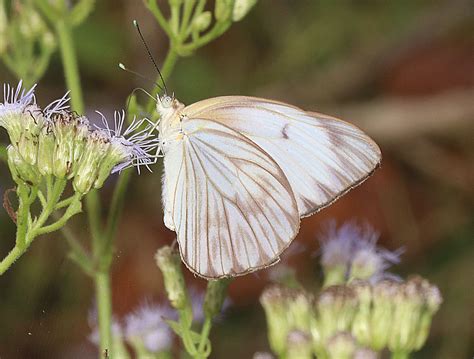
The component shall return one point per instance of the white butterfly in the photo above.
(240, 172)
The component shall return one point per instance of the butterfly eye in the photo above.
(166, 101)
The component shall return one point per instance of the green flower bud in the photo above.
(242, 8)
(46, 146)
(336, 307)
(115, 155)
(298, 345)
(299, 309)
(20, 170)
(383, 317)
(361, 325)
(407, 313)
(274, 303)
(415, 304)
(48, 40)
(433, 300)
(223, 10)
(365, 264)
(82, 133)
(202, 22)
(169, 263)
(215, 295)
(95, 150)
(64, 132)
(341, 345)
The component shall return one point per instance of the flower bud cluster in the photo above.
(286, 310)
(57, 142)
(351, 321)
(395, 314)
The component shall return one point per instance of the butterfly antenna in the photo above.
(122, 66)
(135, 23)
(133, 92)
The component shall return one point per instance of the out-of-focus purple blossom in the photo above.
(351, 251)
(147, 325)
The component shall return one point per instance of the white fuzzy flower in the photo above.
(15, 100)
(136, 144)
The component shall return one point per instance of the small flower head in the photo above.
(17, 110)
(169, 262)
(215, 298)
(336, 252)
(274, 302)
(350, 252)
(361, 325)
(369, 261)
(335, 310)
(382, 315)
(147, 328)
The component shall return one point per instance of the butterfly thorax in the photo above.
(170, 111)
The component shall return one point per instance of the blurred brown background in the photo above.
(401, 70)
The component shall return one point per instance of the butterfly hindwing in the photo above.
(232, 206)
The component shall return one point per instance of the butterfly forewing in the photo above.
(232, 206)
(321, 156)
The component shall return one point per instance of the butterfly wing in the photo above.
(321, 156)
(231, 205)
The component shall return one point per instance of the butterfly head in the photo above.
(167, 105)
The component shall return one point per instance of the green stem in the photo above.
(206, 329)
(22, 217)
(22, 243)
(93, 215)
(74, 208)
(104, 308)
(155, 10)
(218, 29)
(101, 276)
(187, 11)
(69, 60)
(14, 254)
(116, 207)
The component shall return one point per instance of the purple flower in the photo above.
(147, 325)
(351, 250)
